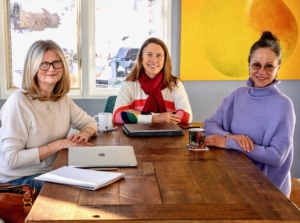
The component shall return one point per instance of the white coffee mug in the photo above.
(104, 121)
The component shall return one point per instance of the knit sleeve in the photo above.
(219, 122)
(123, 102)
(182, 104)
(274, 153)
(16, 119)
(126, 98)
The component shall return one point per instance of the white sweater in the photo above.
(132, 96)
(28, 124)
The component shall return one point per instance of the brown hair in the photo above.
(267, 40)
(169, 80)
(33, 59)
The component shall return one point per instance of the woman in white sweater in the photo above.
(36, 119)
(151, 94)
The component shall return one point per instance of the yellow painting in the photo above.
(216, 37)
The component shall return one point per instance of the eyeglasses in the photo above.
(268, 67)
(46, 66)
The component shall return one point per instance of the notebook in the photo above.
(102, 157)
(166, 129)
(82, 178)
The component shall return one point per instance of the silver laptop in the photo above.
(102, 157)
(167, 129)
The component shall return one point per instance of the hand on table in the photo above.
(216, 140)
(80, 139)
(166, 117)
(244, 141)
(219, 141)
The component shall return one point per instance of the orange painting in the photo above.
(216, 37)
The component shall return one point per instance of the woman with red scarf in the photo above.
(151, 94)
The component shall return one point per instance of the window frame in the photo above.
(86, 36)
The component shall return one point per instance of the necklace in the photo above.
(48, 105)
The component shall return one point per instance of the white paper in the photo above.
(83, 178)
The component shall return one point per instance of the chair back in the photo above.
(110, 104)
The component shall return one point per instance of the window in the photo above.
(94, 34)
(31, 20)
(121, 26)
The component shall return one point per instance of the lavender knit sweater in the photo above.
(267, 117)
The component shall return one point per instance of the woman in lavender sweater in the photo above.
(258, 119)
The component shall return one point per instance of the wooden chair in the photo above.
(295, 193)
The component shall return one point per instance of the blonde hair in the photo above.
(32, 63)
(169, 80)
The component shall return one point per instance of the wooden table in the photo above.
(170, 184)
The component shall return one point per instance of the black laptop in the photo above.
(166, 129)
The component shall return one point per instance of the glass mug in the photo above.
(196, 138)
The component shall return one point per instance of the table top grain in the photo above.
(170, 184)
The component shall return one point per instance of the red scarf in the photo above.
(152, 87)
